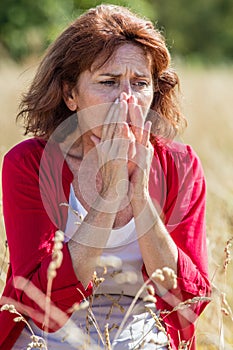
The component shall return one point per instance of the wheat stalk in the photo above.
(227, 253)
(159, 325)
(57, 257)
(107, 339)
(156, 276)
(186, 304)
(37, 342)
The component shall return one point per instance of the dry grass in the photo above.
(208, 105)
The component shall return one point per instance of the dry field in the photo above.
(208, 104)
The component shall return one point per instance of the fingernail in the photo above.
(117, 100)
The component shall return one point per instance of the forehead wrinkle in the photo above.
(117, 59)
(114, 69)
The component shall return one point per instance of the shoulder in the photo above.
(178, 155)
(36, 155)
(172, 147)
(27, 149)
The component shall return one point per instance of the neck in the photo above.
(87, 143)
(77, 146)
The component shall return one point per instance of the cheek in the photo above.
(86, 101)
(145, 102)
(93, 116)
(95, 99)
(145, 98)
(149, 97)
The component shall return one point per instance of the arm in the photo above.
(157, 247)
(89, 240)
(32, 194)
(111, 151)
(184, 218)
(176, 184)
(30, 226)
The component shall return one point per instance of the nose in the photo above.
(126, 88)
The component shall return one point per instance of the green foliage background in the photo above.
(198, 30)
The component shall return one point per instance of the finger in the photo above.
(117, 148)
(146, 133)
(108, 119)
(136, 118)
(120, 118)
(116, 115)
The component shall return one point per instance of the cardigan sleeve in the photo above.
(32, 194)
(183, 195)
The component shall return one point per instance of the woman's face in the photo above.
(128, 70)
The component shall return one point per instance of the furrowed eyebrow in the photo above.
(142, 75)
(138, 75)
(110, 75)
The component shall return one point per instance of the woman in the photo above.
(103, 113)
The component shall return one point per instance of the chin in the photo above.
(97, 132)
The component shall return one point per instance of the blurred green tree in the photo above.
(197, 29)
(27, 27)
(25, 24)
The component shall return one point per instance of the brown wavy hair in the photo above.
(99, 31)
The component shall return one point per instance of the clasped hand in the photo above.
(124, 150)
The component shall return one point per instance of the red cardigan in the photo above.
(36, 179)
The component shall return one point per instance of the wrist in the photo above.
(111, 194)
(107, 201)
(140, 198)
